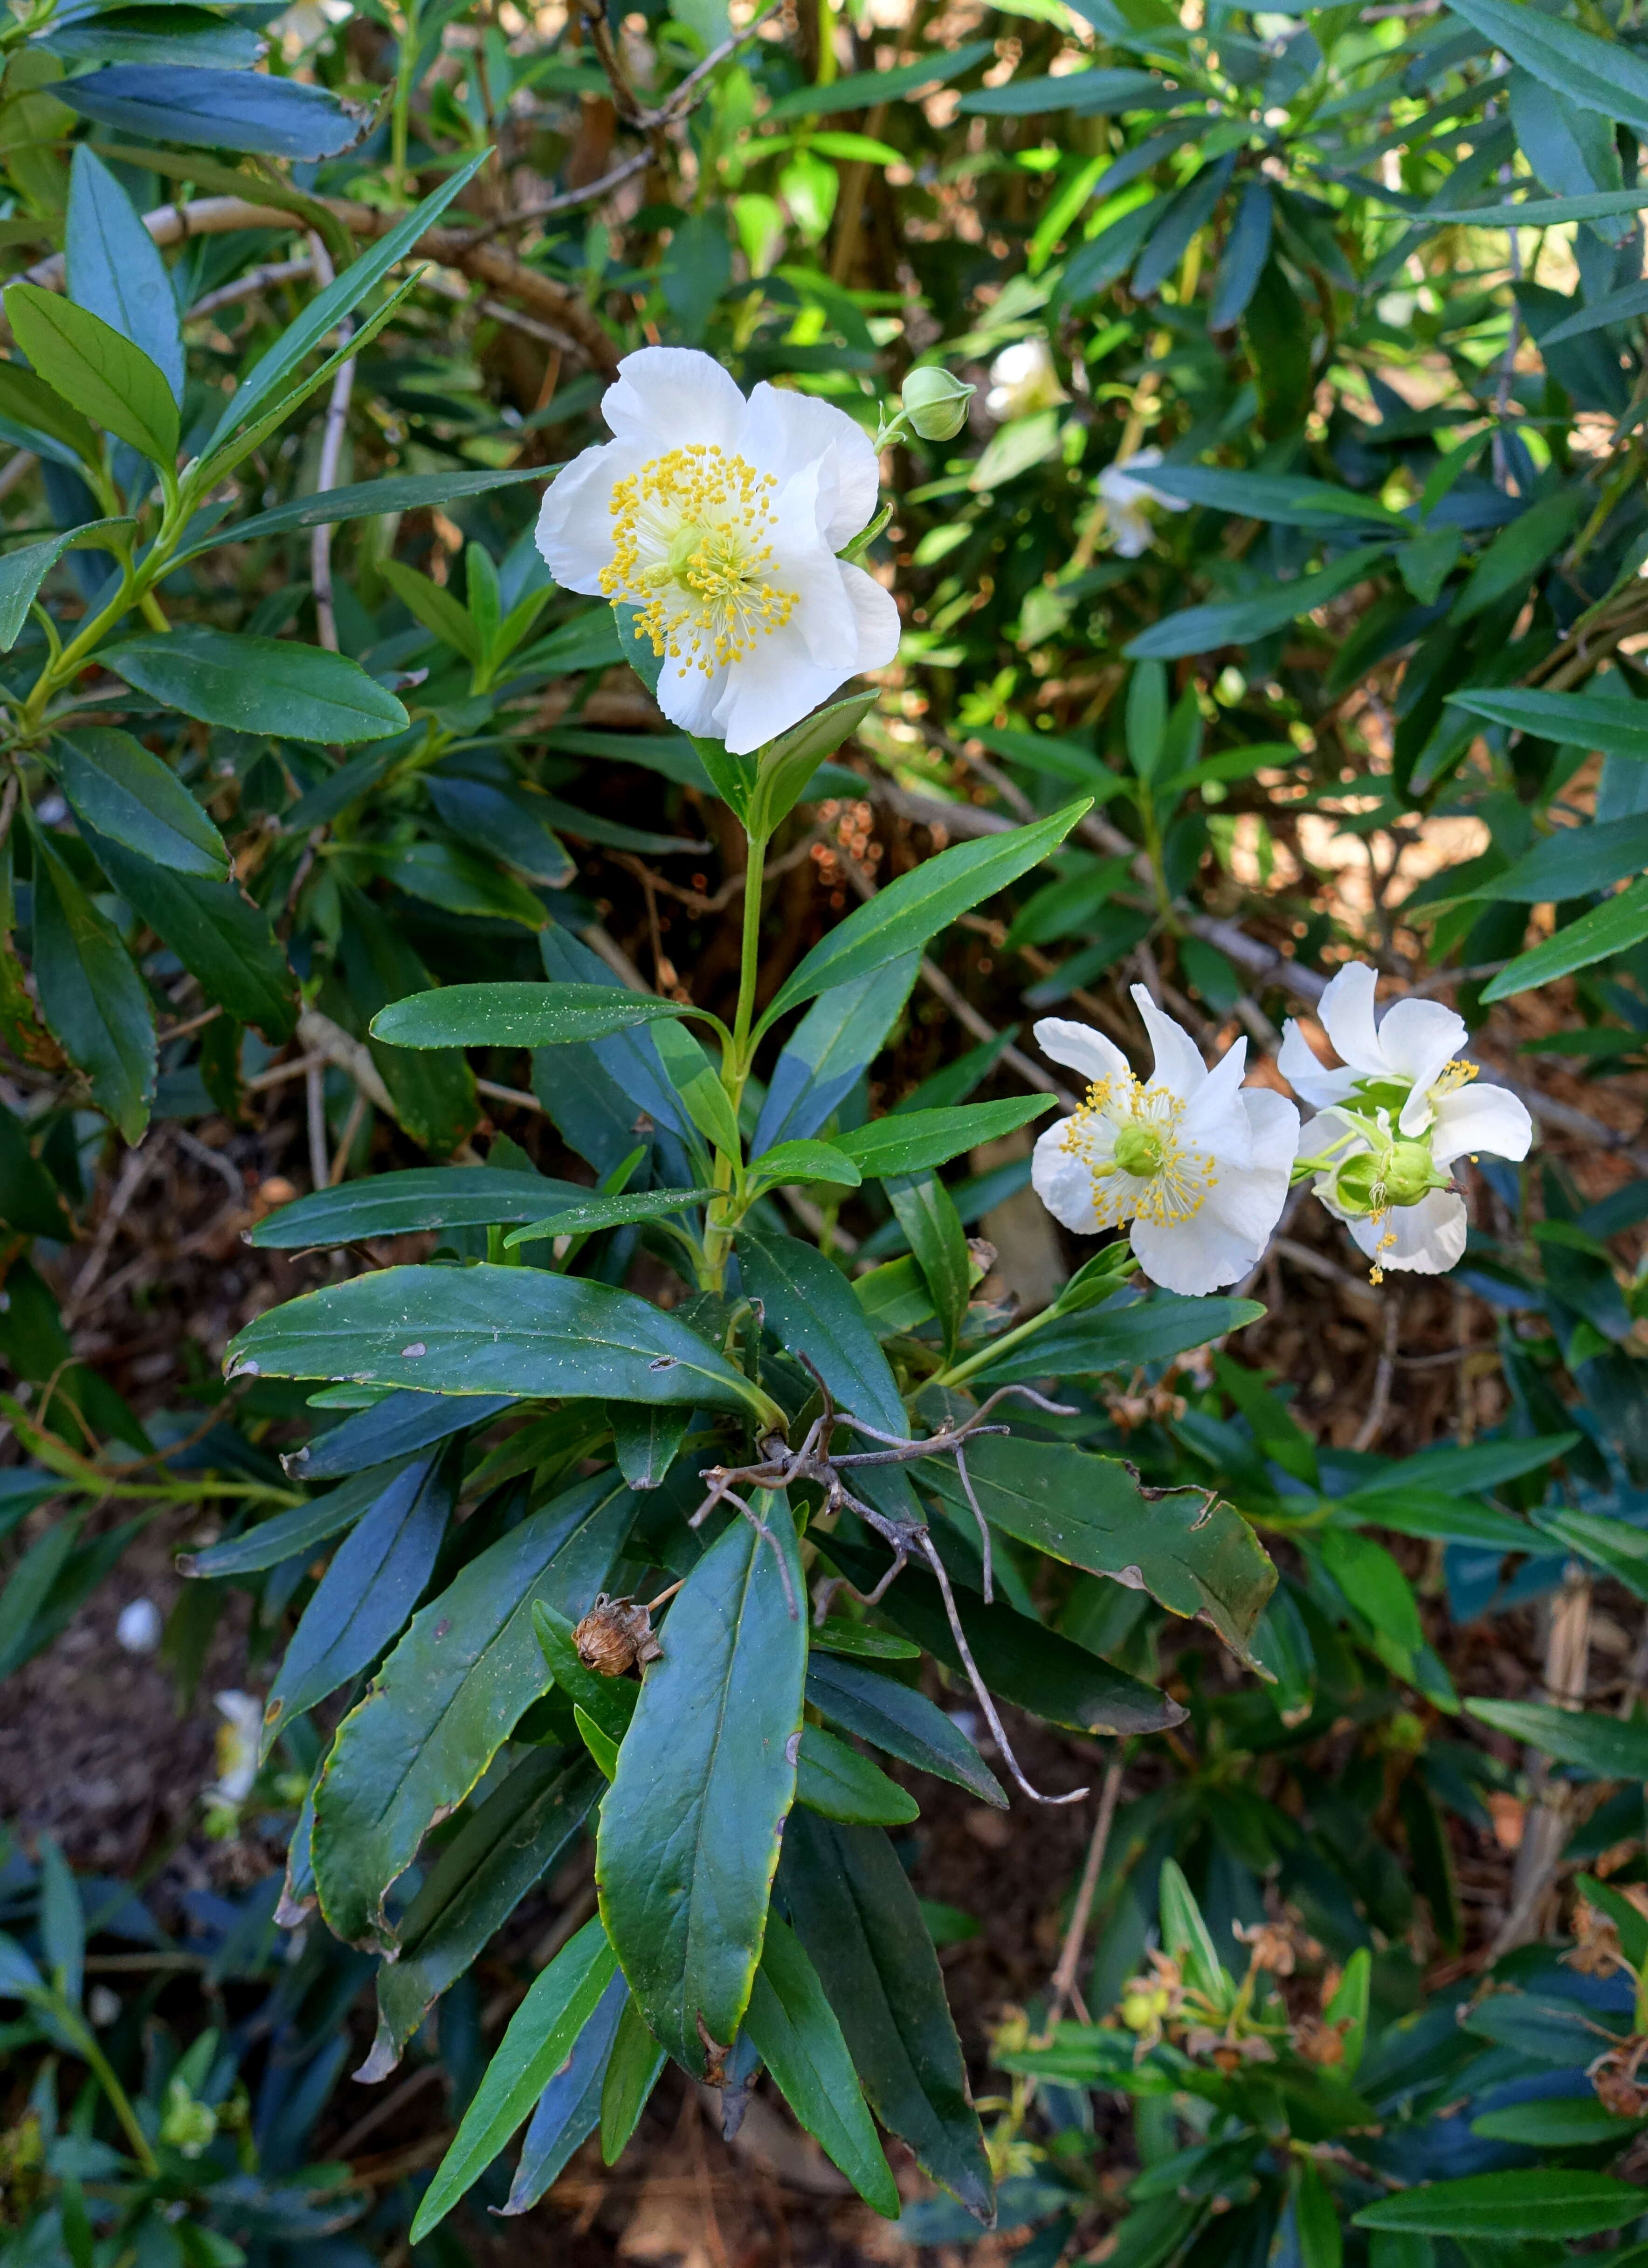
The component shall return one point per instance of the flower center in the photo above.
(691, 552)
(1144, 1168)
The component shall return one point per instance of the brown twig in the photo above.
(1075, 1936)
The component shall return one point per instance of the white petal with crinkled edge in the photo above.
(1214, 1118)
(783, 432)
(1306, 1073)
(671, 397)
(1179, 1064)
(1481, 1121)
(1079, 1047)
(574, 532)
(771, 690)
(1345, 1011)
(881, 625)
(1429, 1237)
(1064, 1182)
(803, 563)
(1417, 1037)
(1228, 1234)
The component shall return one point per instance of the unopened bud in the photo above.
(936, 404)
(1409, 1174)
(1358, 1184)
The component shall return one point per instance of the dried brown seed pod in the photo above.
(617, 1637)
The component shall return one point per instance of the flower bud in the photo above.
(935, 404)
(1409, 1174)
(1356, 1184)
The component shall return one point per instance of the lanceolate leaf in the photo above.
(521, 1831)
(797, 2037)
(1194, 1556)
(215, 109)
(913, 1141)
(517, 1015)
(216, 931)
(1617, 728)
(421, 1196)
(395, 1427)
(258, 685)
(92, 998)
(1614, 926)
(1602, 74)
(302, 1529)
(1121, 1337)
(832, 1780)
(690, 1832)
(899, 1719)
(856, 1915)
(1019, 1660)
(368, 1591)
(901, 917)
(568, 2109)
(541, 2036)
(1510, 2203)
(96, 371)
(1602, 1748)
(114, 267)
(448, 1698)
(490, 1330)
(810, 1308)
(113, 783)
(413, 492)
(22, 572)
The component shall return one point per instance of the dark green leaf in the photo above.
(115, 786)
(899, 1719)
(1615, 728)
(409, 492)
(1601, 1747)
(1603, 75)
(30, 402)
(647, 1439)
(913, 1141)
(832, 1780)
(541, 2036)
(371, 1587)
(1195, 1557)
(91, 998)
(1574, 862)
(449, 1697)
(1121, 1338)
(924, 1213)
(302, 1529)
(1020, 1660)
(632, 2072)
(1614, 926)
(1240, 621)
(97, 371)
(690, 1832)
(114, 267)
(396, 1426)
(419, 1198)
(489, 1330)
(523, 1829)
(217, 109)
(1517, 553)
(608, 1702)
(789, 762)
(216, 931)
(22, 572)
(569, 2109)
(857, 1916)
(1510, 2202)
(863, 90)
(517, 1015)
(1286, 502)
(900, 918)
(258, 684)
(590, 1214)
(794, 2030)
(30, 1201)
(810, 1310)
(506, 823)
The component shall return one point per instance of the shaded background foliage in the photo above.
(1355, 671)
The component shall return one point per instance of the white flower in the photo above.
(1198, 1162)
(237, 1747)
(1023, 379)
(720, 518)
(1126, 496)
(1394, 1115)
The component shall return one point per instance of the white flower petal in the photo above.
(785, 433)
(806, 568)
(1193, 1258)
(1346, 1014)
(1179, 1064)
(1481, 1121)
(1427, 1238)
(1064, 1182)
(690, 699)
(574, 532)
(773, 689)
(669, 397)
(1215, 1109)
(1079, 1047)
(1417, 1037)
(1305, 1073)
(880, 626)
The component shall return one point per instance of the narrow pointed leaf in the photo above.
(795, 2031)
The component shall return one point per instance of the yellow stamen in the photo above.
(691, 552)
(1145, 1171)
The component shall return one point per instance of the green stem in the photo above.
(86, 2046)
(735, 1069)
(960, 1371)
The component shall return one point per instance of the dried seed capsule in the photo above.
(615, 1637)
